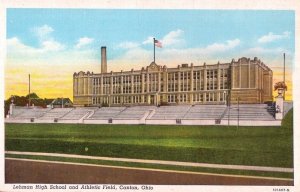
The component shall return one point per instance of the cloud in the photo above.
(83, 42)
(42, 32)
(46, 41)
(14, 45)
(209, 53)
(219, 47)
(128, 45)
(273, 37)
(47, 44)
(149, 40)
(174, 51)
(173, 38)
(16, 48)
(140, 57)
(51, 45)
(261, 50)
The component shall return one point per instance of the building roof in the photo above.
(154, 67)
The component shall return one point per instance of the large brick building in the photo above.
(246, 79)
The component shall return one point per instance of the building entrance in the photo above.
(152, 99)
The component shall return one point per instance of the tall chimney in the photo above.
(103, 60)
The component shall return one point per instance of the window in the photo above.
(216, 74)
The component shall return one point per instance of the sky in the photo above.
(52, 44)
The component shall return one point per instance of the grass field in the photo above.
(259, 146)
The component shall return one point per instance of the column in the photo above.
(183, 81)
(178, 86)
(121, 91)
(219, 83)
(132, 88)
(143, 83)
(148, 83)
(75, 86)
(83, 90)
(97, 86)
(166, 81)
(232, 75)
(88, 84)
(259, 83)
(271, 83)
(121, 84)
(111, 86)
(205, 83)
(101, 87)
(256, 76)
(249, 79)
(165, 87)
(110, 91)
(90, 89)
(132, 84)
(179, 81)
(200, 80)
(143, 87)
(191, 82)
(159, 82)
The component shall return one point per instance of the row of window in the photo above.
(153, 87)
(173, 76)
(197, 97)
(182, 98)
(117, 100)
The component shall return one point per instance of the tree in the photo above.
(32, 96)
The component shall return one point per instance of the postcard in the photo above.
(149, 96)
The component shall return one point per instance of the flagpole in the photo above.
(284, 75)
(154, 49)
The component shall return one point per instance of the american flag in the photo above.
(157, 43)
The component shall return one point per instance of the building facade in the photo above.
(246, 80)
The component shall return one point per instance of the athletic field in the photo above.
(255, 146)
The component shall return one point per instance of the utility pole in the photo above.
(29, 91)
(284, 75)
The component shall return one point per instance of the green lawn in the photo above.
(263, 146)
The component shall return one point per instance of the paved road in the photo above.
(33, 171)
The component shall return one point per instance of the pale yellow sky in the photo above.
(52, 82)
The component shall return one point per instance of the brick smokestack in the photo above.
(103, 60)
